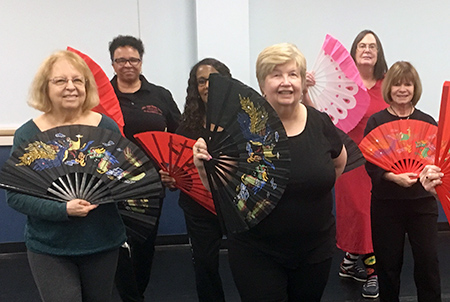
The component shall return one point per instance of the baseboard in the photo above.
(172, 239)
(443, 226)
(19, 247)
(161, 240)
(12, 247)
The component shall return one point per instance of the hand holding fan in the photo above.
(173, 154)
(401, 146)
(249, 168)
(109, 104)
(339, 90)
(78, 161)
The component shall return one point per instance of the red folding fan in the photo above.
(109, 104)
(443, 148)
(401, 146)
(339, 90)
(173, 154)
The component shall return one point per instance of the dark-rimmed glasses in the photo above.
(202, 81)
(123, 61)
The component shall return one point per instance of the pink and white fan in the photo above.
(339, 90)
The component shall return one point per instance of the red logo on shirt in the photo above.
(152, 109)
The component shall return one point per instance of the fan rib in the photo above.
(66, 189)
(60, 193)
(243, 131)
(70, 186)
(96, 184)
(176, 167)
(161, 160)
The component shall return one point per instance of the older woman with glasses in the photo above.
(352, 190)
(145, 107)
(399, 203)
(72, 247)
(287, 256)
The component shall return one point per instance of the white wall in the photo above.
(177, 33)
(32, 30)
(223, 33)
(415, 31)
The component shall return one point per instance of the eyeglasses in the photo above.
(202, 82)
(123, 61)
(61, 81)
(371, 47)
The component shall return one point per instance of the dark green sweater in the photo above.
(49, 230)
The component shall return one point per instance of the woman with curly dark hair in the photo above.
(197, 92)
(203, 227)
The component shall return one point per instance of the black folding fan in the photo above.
(355, 158)
(249, 169)
(78, 161)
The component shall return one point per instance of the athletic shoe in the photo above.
(370, 288)
(355, 271)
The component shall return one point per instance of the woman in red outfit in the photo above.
(352, 190)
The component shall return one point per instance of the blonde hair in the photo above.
(401, 72)
(279, 54)
(39, 98)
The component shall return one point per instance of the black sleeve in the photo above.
(330, 132)
(371, 124)
(174, 116)
(376, 173)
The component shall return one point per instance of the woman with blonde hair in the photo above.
(287, 256)
(73, 246)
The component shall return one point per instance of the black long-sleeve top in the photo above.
(385, 189)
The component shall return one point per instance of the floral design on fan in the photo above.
(64, 150)
(396, 141)
(260, 149)
(401, 146)
(425, 149)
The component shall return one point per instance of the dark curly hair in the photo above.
(122, 41)
(194, 108)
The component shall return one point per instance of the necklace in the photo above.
(402, 117)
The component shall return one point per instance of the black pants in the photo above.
(259, 277)
(391, 221)
(134, 266)
(88, 278)
(205, 235)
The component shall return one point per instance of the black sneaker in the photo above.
(370, 288)
(355, 271)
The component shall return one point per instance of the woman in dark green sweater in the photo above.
(72, 246)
